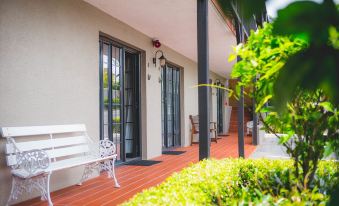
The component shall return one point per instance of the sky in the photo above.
(273, 6)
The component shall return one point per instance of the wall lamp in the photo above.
(217, 82)
(162, 59)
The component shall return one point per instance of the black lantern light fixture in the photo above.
(162, 59)
(217, 82)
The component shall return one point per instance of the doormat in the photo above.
(173, 152)
(143, 162)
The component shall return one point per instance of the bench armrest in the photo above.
(32, 161)
(106, 148)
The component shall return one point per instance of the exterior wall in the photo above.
(49, 74)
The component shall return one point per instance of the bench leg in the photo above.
(42, 184)
(48, 192)
(113, 173)
(20, 186)
(109, 164)
(14, 191)
(88, 171)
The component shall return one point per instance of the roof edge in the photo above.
(224, 17)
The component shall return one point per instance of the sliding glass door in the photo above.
(119, 97)
(170, 100)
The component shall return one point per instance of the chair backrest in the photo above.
(194, 122)
(72, 140)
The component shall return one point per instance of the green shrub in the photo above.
(239, 182)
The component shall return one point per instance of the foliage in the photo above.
(310, 68)
(263, 55)
(116, 120)
(313, 67)
(239, 182)
(317, 65)
(115, 84)
(116, 124)
(313, 124)
(309, 121)
(115, 101)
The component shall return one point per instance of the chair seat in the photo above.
(62, 164)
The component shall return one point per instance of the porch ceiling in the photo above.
(173, 22)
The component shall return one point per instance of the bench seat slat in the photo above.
(63, 164)
(46, 144)
(60, 152)
(41, 130)
(77, 161)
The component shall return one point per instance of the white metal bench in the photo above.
(53, 148)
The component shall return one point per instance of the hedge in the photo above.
(239, 182)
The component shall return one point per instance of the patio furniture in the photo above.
(249, 127)
(195, 128)
(34, 153)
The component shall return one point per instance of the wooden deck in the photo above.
(133, 179)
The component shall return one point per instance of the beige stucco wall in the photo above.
(49, 74)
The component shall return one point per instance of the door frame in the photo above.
(126, 47)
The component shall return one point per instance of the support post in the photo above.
(203, 78)
(255, 120)
(241, 142)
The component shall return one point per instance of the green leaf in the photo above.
(265, 109)
(309, 70)
(284, 138)
(262, 102)
(273, 70)
(306, 18)
(328, 149)
(327, 106)
(232, 57)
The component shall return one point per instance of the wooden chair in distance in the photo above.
(195, 128)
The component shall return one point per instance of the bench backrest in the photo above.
(73, 141)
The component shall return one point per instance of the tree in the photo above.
(309, 120)
(315, 66)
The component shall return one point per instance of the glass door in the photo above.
(119, 98)
(132, 143)
(170, 100)
(220, 104)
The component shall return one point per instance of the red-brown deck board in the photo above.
(133, 179)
